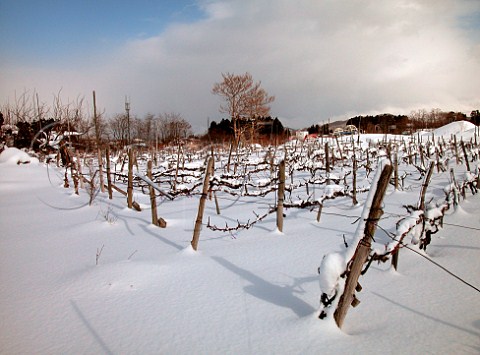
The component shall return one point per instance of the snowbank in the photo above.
(454, 128)
(16, 156)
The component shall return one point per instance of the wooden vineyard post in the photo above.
(395, 171)
(79, 171)
(457, 159)
(319, 213)
(74, 173)
(130, 178)
(363, 249)
(100, 170)
(467, 164)
(437, 156)
(421, 204)
(217, 206)
(109, 177)
(237, 147)
(230, 155)
(153, 200)
(97, 140)
(339, 149)
(281, 194)
(454, 181)
(395, 258)
(327, 164)
(421, 207)
(201, 205)
(354, 178)
(177, 167)
(422, 159)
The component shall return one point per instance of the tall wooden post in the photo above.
(130, 178)
(100, 170)
(281, 194)
(74, 173)
(177, 166)
(339, 149)
(395, 171)
(153, 200)
(363, 248)
(230, 154)
(354, 178)
(457, 159)
(79, 171)
(109, 177)
(421, 204)
(201, 205)
(319, 213)
(97, 139)
(395, 255)
(127, 111)
(467, 164)
(327, 164)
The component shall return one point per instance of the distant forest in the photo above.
(398, 124)
(260, 129)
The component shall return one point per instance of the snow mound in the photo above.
(454, 128)
(16, 156)
(332, 266)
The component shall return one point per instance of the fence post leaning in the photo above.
(201, 205)
(363, 249)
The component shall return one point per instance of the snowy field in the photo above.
(91, 279)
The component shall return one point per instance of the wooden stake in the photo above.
(109, 177)
(457, 159)
(130, 178)
(100, 169)
(363, 248)
(217, 206)
(319, 213)
(327, 164)
(177, 166)
(395, 258)
(395, 171)
(153, 200)
(230, 155)
(74, 172)
(79, 171)
(421, 204)
(465, 155)
(201, 205)
(354, 178)
(339, 149)
(281, 195)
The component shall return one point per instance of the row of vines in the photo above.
(312, 175)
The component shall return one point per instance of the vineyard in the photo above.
(332, 173)
(249, 249)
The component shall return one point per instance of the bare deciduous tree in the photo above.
(244, 99)
(172, 127)
(118, 127)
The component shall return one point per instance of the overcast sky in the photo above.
(321, 59)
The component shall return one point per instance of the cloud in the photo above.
(321, 59)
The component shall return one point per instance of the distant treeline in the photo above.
(398, 124)
(258, 129)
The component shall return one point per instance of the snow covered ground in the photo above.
(251, 292)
